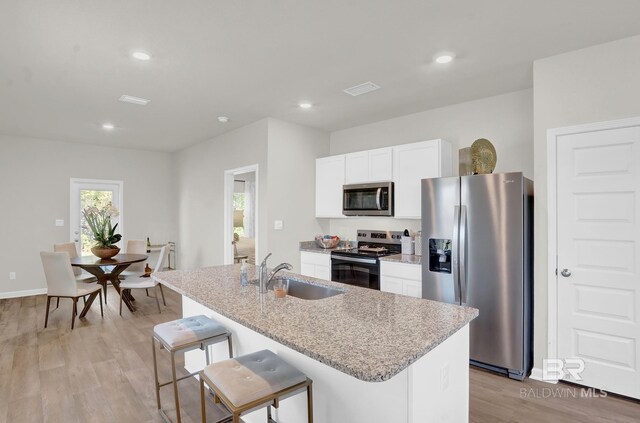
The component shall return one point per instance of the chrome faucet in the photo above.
(265, 279)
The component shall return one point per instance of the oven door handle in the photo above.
(355, 260)
(379, 198)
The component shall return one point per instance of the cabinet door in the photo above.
(308, 269)
(323, 272)
(357, 167)
(329, 182)
(412, 163)
(391, 284)
(381, 164)
(412, 288)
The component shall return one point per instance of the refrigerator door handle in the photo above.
(378, 198)
(462, 254)
(454, 253)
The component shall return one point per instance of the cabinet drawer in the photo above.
(401, 270)
(315, 258)
(412, 288)
(391, 284)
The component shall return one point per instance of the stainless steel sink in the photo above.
(304, 290)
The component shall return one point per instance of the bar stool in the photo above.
(251, 381)
(184, 335)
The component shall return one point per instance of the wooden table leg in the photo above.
(87, 305)
(105, 278)
(126, 298)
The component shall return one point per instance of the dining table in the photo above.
(108, 270)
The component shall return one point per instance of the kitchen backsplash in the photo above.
(347, 229)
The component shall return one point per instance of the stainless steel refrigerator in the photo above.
(477, 251)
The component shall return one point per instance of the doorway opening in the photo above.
(241, 215)
(91, 193)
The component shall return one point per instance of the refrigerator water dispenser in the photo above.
(440, 255)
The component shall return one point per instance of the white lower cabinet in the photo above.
(401, 278)
(316, 265)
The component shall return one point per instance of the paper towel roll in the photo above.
(407, 245)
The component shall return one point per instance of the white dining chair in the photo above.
(146, 283)
(70, 248)
(135, 246)
(61, 283)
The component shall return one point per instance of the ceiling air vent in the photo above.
(362, 89)
(134, 100)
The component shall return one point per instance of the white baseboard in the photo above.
(536, 374)
(25, 293)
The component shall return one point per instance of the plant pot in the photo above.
(105, 252)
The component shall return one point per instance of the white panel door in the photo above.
(598, 179)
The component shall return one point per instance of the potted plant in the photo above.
(99, 221)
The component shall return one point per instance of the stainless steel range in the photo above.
(360, 266)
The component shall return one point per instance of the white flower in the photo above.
(112, 211)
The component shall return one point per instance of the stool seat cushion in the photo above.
(253, 376)
(190, 329)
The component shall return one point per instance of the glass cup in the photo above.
(279, 288)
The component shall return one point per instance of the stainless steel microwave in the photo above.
(374, 199)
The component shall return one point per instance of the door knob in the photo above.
(566, 273)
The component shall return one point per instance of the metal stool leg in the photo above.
(203, 409)
(269, 418)
(310, 403)
(155, 372)
(175, 385)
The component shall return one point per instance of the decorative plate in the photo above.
(483, 156)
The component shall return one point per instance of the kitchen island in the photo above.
(372, 356)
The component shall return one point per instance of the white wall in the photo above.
(292, 154)
(506, 120)
(200, 173)
(34, 187)
(286, 156)
(595, 84)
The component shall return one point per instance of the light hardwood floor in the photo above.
(102, 371)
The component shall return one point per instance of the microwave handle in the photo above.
(378, 198)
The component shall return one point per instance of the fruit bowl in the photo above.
(327, 241)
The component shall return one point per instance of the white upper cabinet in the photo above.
(356, 167)
(330, 174)
(412, 163)
(369, 166)
(405, 165)
(381, 164)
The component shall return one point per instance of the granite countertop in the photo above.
(403, 258)
(312, 247)
(368, 334)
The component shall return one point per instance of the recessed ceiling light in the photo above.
(445, 58)
(134, 100)
(223, 119)
(305, 105)
(108, 126)
(141, 55)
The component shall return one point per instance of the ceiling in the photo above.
(64, 64)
